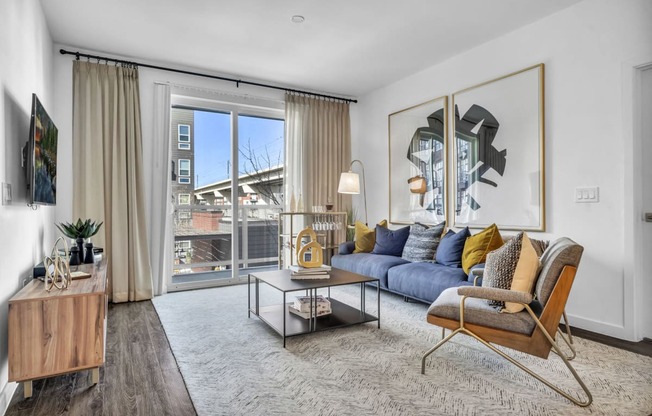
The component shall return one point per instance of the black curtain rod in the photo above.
(199, 74)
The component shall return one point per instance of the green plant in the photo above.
(79, 229)
(350, 220)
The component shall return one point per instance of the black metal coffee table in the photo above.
(279, 318)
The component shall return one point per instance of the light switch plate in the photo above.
(6, 193)
(587, 194)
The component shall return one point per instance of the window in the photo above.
(184, 134)
(182, 245)
(205, 153)
(182, 252)
(184, 199)
(184, 167)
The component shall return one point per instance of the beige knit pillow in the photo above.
(525, 275)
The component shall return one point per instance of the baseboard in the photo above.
(643, 347)
(5, 396)
(605, 328)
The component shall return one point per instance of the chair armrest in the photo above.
(476, 274)
(347, 247)
(491, 293)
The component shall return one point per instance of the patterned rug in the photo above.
(234, 365)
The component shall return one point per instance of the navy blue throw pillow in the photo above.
(449, 252)
(390, 242)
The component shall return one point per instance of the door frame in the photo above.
(234, 105)
(633, 270)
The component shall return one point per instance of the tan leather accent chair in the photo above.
(465, 310)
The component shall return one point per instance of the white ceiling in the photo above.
(346, 47)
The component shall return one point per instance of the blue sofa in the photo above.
(422, 281)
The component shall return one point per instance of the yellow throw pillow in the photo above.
(525, 275)
(477, 246)
(365, 237)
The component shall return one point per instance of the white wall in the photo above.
(25, 68)
(585, 49)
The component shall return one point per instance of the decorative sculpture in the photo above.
(311, 254)
(57, 269)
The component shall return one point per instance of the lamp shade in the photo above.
(349, 183)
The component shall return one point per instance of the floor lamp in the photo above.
(350, 184)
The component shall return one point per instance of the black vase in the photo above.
(88, 257)
(80, 249)
(74, 256)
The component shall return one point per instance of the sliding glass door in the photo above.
(227, 189)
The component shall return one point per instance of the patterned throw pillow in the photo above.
(422, 243)
(501, 265)
(525, 274)
(540, 246)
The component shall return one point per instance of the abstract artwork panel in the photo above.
(417, 163)
(498, 148)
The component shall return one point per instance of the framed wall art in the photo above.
(498, 152)
(417, 163)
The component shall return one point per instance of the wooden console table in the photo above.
(58, 332)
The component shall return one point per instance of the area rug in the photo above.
(235, 365)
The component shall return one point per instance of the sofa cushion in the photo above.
(367, 264)
(422, 243)
(424, 281)
(477, 311)
(390, 242)
(449, 252)
(479, 245)
(365, 237)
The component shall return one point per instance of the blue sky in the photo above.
(212, 143)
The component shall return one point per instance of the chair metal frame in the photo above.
(539, 343)
(567, 338)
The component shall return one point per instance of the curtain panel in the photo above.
(318, 150)
(161, 208)
(108, 172)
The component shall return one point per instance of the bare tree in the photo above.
(259, 167)
(262, 171)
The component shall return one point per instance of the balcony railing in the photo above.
(203, 235)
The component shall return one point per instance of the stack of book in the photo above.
(301, 273)
(301, 306)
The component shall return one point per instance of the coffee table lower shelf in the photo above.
(342, 315)
(287, 324)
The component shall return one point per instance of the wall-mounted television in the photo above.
(40, 155)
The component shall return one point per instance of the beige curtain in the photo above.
(318, 149)
(108, 172)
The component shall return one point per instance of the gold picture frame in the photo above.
(499, 154)
(418, 163)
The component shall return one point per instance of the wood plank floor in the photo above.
(140, 376)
